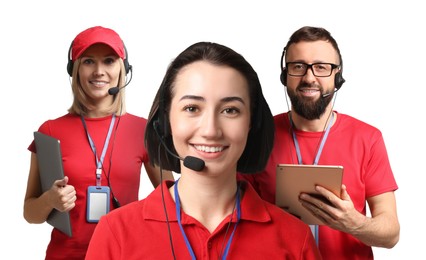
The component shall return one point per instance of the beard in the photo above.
(308, 108)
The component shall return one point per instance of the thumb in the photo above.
(63, 182)
(344, 195)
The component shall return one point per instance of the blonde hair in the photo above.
(81, 104)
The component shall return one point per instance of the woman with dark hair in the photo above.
(209, 120)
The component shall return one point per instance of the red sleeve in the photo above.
(379, 175)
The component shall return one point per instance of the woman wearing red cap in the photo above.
(102, 146)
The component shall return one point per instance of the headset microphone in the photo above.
(190, 162)
(193, 163)
(114, 90)
(329, 93)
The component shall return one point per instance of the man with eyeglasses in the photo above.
(311, 132)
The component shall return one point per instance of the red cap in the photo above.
(97, 34)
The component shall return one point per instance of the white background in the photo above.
(382, 45)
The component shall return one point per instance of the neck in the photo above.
(316, 125)
(97, 114)
(100, 107)
(209, 203)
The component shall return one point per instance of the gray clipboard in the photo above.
(292, 179)
(49, 159)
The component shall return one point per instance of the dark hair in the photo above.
(261, 135)
(311, 34)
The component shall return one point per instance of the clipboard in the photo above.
(293, 179)
(49, 159)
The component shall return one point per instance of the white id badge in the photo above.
(98, 198)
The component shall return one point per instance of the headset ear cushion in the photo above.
(70, 66)
(161, 125)
(338, 80)
(127, 66)
(283, 77)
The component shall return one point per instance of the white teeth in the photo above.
(208, 149)
(98, 83)
(309, 90)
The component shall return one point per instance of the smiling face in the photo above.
(210, 115)
(306, 91)
(99, 71)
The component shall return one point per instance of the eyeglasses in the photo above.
(299, 69)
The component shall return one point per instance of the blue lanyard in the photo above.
(99, 161)
(299, 158)
(296, 143)
(188, 245)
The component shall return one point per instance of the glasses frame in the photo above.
(310, 66)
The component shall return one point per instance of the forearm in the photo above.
(379, 231)
(36, 210)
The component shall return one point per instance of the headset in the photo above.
(338, 78)
(70, 64)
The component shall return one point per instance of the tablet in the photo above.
(293, 179)
(49, 158)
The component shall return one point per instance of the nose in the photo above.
(210, 126)
(99, 69)
(309, 75)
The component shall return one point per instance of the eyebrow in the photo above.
(224, 100)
